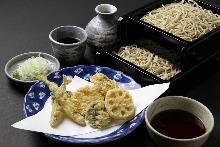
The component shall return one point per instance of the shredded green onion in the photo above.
(31, 68)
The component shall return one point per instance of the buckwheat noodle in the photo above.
(149, 61)
(185, 19)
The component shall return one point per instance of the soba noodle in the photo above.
(185, 19)
(151, 62)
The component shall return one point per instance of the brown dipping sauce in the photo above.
(178, 124)
(68, 40)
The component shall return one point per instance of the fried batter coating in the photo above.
(97, 115)
(119, 104)
(56, 113)
(85, 96)
(63, 98)
(97, 104)
(103, 83)
(70, 106)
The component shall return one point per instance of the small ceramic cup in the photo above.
(181, 103)
(69, 44)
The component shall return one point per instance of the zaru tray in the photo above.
(196, 59)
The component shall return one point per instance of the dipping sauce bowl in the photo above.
(177, 121)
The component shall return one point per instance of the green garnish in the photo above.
(31, 68)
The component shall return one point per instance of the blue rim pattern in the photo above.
(39, 93)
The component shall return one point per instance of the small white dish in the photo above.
(12, 65)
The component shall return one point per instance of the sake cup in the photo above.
(68, 44)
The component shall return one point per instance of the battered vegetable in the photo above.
(97, 115)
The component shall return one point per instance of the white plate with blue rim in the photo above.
(39, 93)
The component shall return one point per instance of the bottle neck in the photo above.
(106, 10)
(106, 16)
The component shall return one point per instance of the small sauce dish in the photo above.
(13, 64)
(174, 108)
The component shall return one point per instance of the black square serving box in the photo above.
(196, 59)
